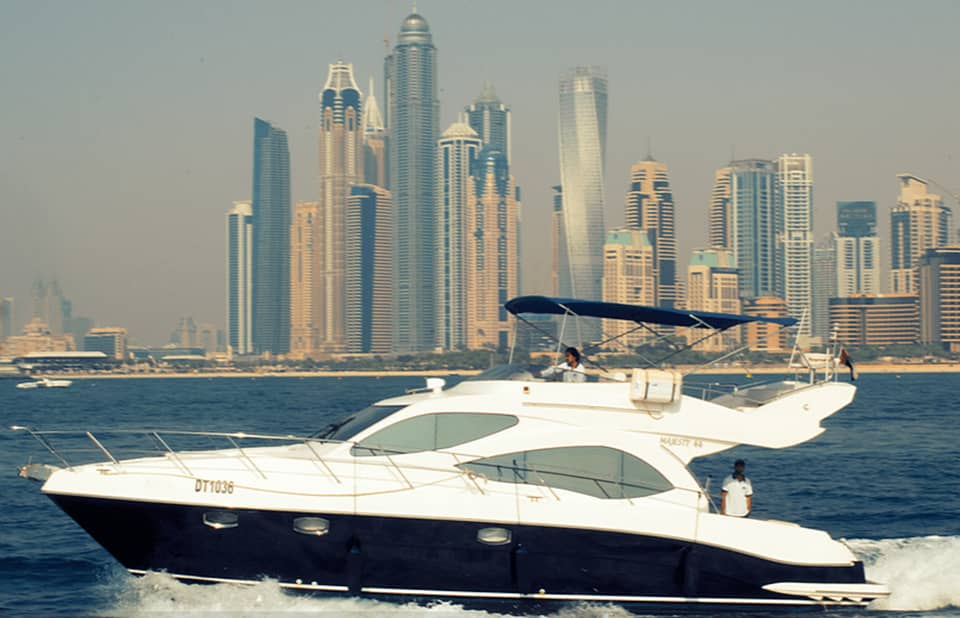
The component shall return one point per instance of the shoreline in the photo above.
(862, 368)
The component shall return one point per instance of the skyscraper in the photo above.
(649, 206)
(938, 274)
(857, 249)
(239, 277)
(720, 233)
(492, 247)
(629, 276)
(824, 284)
(918, 222)
(369, 267)
(305, 303)
(456, 158)
(749, 228)
(795, 235)
(583, 142)
(490, 118)
(561, 264)
(6, 317)
(412, 123)
(271, 239)
(341, 164)
(376, 170)
(51, 306)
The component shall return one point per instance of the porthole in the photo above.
(494, 536)
(313, 526)
(220, 520)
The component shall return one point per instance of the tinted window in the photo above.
(346, 428)
(597, 471)
(433, 431)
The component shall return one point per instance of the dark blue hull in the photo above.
(542, 568)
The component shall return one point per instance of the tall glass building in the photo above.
(583, 142)
(753, 221)
(271, 239)
(457, 153)
(490, 118)
(368, 290)
(412, 122)
(239, 279)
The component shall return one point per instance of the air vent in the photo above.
(220, 520)
(494, 536)
(314, 526)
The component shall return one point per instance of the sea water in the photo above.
(884, 477)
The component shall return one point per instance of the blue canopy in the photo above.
(635, 313)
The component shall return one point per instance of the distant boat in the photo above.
(45, 383)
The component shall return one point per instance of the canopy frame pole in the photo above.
(732, 353)
(513, 342)
(714, 332)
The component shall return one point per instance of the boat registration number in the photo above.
(213, 487)
(679, 441)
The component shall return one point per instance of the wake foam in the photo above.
(923, 573)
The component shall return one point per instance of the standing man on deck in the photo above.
(736, 498)
(570, 371)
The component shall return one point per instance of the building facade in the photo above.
(720, 228)
(713, 284)
(341, 141)
(763, 336)
(857, 249)
(824, 285)
(306, 338)
(795, 243)
(270, 312)
(7, 317)
(492, 250)
(751, 222)
(939, 291)
(112, 341)
(369, 257)
(457, 153)
(36, 337)
(583, 142)
(649, 206)
(918, 222)
(490, 118)
(629, 277)
(875, 319)
(376, 168)
(412, 122)
(560, 279)
(240, 278)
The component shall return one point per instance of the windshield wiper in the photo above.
(331, 429)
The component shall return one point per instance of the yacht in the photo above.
(45, 383)
(505, 491)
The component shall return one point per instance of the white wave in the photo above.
(159, 592)
(923, 573)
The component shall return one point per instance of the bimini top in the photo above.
(635, 313)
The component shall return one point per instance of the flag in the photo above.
(846, 360)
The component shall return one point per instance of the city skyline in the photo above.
(79, 202)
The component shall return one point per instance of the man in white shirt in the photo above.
(736, 499)
(570, 371)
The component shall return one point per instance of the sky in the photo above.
(126, 126)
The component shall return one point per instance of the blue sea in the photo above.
(885, 477)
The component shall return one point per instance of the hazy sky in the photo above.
(126, 127)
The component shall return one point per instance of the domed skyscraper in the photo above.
(413, 112)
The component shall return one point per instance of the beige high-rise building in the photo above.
(649, 206)
(629, 277)
(492, 247)
(304, 267)
(939, 283)
(918, 222)
(764, 336)
(341, 165)
(375, 160)
(720, 216)
(713, 284)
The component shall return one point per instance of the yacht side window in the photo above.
(598, 471)
(431, 432)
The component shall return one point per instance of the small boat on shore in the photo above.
(45, 383)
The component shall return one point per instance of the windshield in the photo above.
(346, 428)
